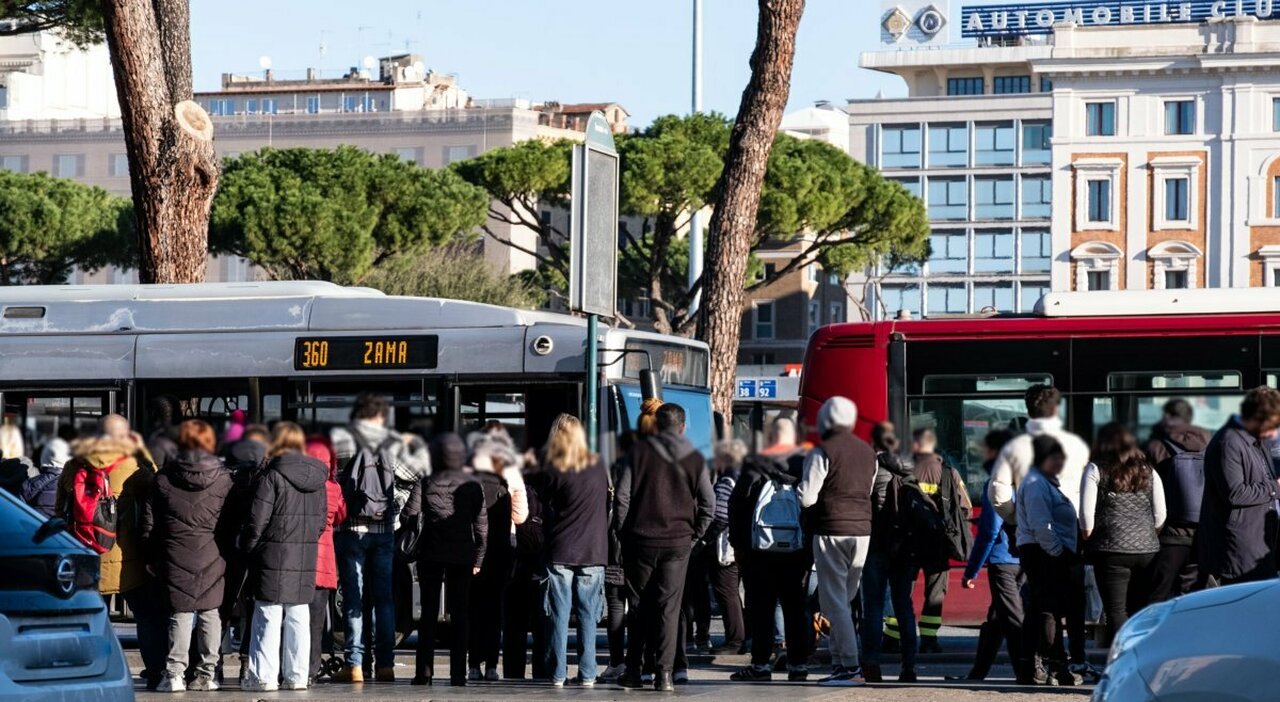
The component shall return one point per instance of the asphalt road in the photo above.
(709, 682)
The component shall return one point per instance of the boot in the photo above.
(630, 680)
(663, 682)
(871, 673)
(349, 674)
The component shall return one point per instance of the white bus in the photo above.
(302, 351)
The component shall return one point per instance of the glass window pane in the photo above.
(993, 197)
(901, 147)
(993, 253)
(949, 252)
(1275, 114)
(948, 145)
(993, 296)
(948, 199)
(911, 184)
(993, 144)
(1037, 192)
(948, 298)
(1031, 294)
(1099, 201)
(1035, 251)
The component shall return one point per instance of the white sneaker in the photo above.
(258, 686)
(681, 677)
(294, 685)
(584, 682)
(168, 684)
(557, 683)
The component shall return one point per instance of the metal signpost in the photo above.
(593, 246)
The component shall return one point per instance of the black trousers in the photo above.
(697, 595)
(724, 583)
(615, 598)
(457, 581)
(319, 617)
(770, 580)
(488, 594)
(1173, 571)
(524, 614)
(1052, 592)
(655, 585)
(1075, 596)
(150, 608)
(935, 592)
(1124, 581)
(1004, 619)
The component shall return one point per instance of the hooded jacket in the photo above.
(41, 492)
(664, 497)
(282, 534)
(410, 464)
(124, 567)
(758, 469)
(183, 527)
(452, 502)
(497, 506)
(326, 562)
(1237, 516)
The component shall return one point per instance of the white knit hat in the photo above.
(837, 412)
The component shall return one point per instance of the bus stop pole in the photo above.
(593, 390)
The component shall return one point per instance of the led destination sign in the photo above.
(366, 353)
(1039, 17)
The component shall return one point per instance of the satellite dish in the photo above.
(264, 62)
(420, 68)
(370, 62)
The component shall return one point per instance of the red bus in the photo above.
(1116, 356)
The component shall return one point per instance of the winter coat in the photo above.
(757, 470)
(184, 529)
(664, 497)
(286, 520)
(41, 492)
(14, 472)
(326, 561)
(452, 503)
(1237, 517)
(497, 506)
(124, 567)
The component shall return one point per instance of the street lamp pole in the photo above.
(695, 220)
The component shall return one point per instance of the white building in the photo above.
(44, 77)
(1149, 133)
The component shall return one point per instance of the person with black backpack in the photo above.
(370, 456)
(943, 485)
(523, 612)
(490, 585)
(1176, 449)
(890, 564)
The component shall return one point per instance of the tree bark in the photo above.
(173, 171)
(733, 222)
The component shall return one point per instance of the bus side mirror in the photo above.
(650, 386)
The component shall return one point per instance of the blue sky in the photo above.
(635, 53)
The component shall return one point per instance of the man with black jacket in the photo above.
(663, 503)
(942, 485)
(1175, 568)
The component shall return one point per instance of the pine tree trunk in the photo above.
(173, 171)
(734, 220)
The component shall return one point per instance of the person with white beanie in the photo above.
(839, 475)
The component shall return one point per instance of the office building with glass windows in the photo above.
(972, 139)
(1081, 150)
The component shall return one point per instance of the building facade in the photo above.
(1073, 146)
(43, 76)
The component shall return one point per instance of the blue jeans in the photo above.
(564, 585)
(880, 573)
(364, 571)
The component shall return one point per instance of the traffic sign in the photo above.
(746, 389)
(768, 390)
(593, 226)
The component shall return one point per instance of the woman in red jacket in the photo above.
(318, 447)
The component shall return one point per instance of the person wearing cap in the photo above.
(839, 475)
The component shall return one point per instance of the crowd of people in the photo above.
(256, 530)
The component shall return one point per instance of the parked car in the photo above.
(1218, 644)
(56, 641)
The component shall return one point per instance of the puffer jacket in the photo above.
(452, 501)
(124, 567)
(326, 561)
(41, 492)
(282, 534)
(183, 527)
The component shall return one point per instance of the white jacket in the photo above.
(1016, 458)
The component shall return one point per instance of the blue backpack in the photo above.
(775, 525)
(1183, 479)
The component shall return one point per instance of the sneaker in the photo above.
(258, 686)
(203, 684)
(299, 685)
(1088, 671)
(752, 674)
(580, 681)
(797, 673)
(612, 673)
(632, 681)
(843, 677)
(557, 683)
(475, 674)
(1064, 676)
(491, 674)
(871, 673)
(680, 677)
(646, 678)
(168, 684)
(420, 680)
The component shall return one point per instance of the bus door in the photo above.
(212, 399)
(42, 413)
(527, 409)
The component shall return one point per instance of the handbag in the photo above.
(409, 538)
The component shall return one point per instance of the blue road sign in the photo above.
(746, 389)
(768, 390)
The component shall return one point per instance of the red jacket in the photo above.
(326, 563)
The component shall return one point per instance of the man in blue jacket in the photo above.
(1004, 617)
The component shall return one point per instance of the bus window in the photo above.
(961, 424)
(42, 414)
(1142, 412)
(699, 421)
(213, 400)
(479, 406)
(525, 410)
(322, 405)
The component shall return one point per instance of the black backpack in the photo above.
(920, 531)
(959, 538)
(368, 479)
(531, 535)
(1182, 475)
